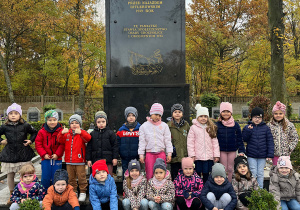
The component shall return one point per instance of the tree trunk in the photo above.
(7, 79)
(81, 76)
(276, 27)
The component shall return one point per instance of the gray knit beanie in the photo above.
(100, 114)
(77, 118)
(176, 107)
(131, 110)
(60, 174)
(159, 163)
(218, 170)
(134, 164)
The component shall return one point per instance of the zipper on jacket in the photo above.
(47, 141)
(204, 142)
(71, 148)
(226, 141)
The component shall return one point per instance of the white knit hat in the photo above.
(201, 110)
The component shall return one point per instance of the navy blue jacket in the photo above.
(230, 138)
(218, 191)
(259, 140)
(128, 142)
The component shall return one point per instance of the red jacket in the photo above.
(74, 145)
(46, 143)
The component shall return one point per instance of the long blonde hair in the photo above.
(211, 128)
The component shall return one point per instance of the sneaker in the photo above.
(82, 197)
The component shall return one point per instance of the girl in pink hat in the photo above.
(284, 132)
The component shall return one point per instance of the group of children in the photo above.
(193, 152)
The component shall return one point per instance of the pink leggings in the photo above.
(227, 159)
(150, 160)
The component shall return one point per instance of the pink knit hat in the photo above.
(157, 108)
(284, 161)
(14, 107)
(279, 106)
(225, 106)
(187, 162)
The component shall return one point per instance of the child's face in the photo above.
(188, 171)
(202, 119)
(101, 123)
(177, 115)
(284, 171)
(14, 116)
(28, 178)
(101, 176)
(131, 118)
(74, 125)
(257, 120)
(60, 186)
(159, 174)
(278, 115)
(52, 122)
(242, 169)
(219, 180)
(134, 173)
(155, 117)
(226, 115)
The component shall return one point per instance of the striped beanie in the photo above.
(157, 108)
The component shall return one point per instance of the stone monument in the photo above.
(33, 114)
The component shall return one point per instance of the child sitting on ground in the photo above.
(60, 196)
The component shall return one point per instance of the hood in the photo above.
(124, 127)
(168, 175)
(195, 122)
(211, 180)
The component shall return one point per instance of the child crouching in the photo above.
(60, 196)
(28, 188)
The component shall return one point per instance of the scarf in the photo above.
(131, 125)
(135, 182)
(158, 184)
(23, 188)
(228, 123)
(151, 121)
(180, 124)
(49, 130)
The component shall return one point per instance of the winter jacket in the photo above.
(37, 191)
(184, 184)
(103, 145)
(46, 143)
(136, 193)
(57, 199)
(200, 145)
(15, 151)
(230, 138)
(284, 188)
(259, 140)
(243, 186)
(74, 145)
(218, 191)
(103, 193)
(128, 142)
(155, 138)
(179, 140)
(284, 141)
(167, 192)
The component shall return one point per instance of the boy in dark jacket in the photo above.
(48, 148)
(103, 144)
(260, 144)
(128, 137)
(218, 192)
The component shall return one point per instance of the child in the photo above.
(179, 129)
(103, 190)
(128, 137)
(74, 140)
(285, 184)
(260, 144)
(218, 192)
(61, 196)
(28, 187)
(243, 183)
(103, 144)
(48, 148)
(229, 135)
(134, 187)
(160, 189)
(155, 138)
(284, 132)
(188, 186)
(17, 151)
(202, 144)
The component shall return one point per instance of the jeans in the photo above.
(257, 166)
(224, 200)
(290, 205)
(163, 206)
(127, 206)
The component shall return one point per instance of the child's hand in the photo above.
(135, 209)
(142, 160)
(157, 199)
(169, 158)
(216, 159)
(4, 141)
(77, 131)
(54, 157)
(241, 154)
(193, 158)
(114, 162)
(65, 130)
(90, 163)
(215, 208)
(250, 126)
(22, 200)
(47, 157)
(27, 142)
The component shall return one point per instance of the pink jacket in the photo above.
(200, 144)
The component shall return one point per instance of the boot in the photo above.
(9, 202)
